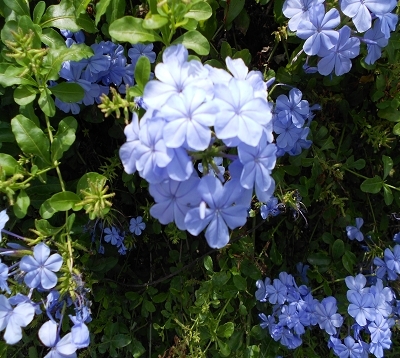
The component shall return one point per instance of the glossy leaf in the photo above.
(21, 7)
(154, 21)
(24, 95)
(63, 201)
(68, 92)
(8, 164)
(130, 29)
(21, 204)
(81, 6)
(372, 185)
(226, 330)
(61, 16)
(338, 249)
(199, 11)
(52, 38)
(387, 195)
(64, 137)
(46, 103)
(233, 10)
(38, 12)
(195, 41)
(46, 229)
(142, 72)
(101, 8)
(30, 138)
(387, 166)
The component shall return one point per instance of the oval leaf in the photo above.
(372, 185)
(8, 164)
(199, 11)
(68, 92)
(195, 41)
(31, 138)
(130, 29)
(387, 165)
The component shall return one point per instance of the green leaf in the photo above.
(101, 8)
(154, 21)
(240, 282)
(46, 229)
(387, 195)
(121, 340)
(142, 72)
(319, 259)
(244, 55)
(372, 185)
(349, 260)
(199, 11)
(86, 23)
(8, 164)
(387, 165)
(390, 113)
(63, 201)
(208, 264)
(226, 50)
(21, 7)
(68, 92)
(64, 137)
(30, 138)
(84, 181)
(81, 6)
(15, 76)
(46, 103)
(21, 205)
(234, 9)
(161, 297)
(242, 22)
(38, 12)
(226, 330)
(52, 38)
(338, 249)
(149, 306)
(61, 16)
(130, 29)
(56, 56)
(116, 11)
(396, 129)
(24, 95)
(195, 41)
(224, 349)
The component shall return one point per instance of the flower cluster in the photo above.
(197, 112)
(334, 47)
(372, 305)
(38, 271)
(108, 66)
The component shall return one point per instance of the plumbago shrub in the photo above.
(199, 178)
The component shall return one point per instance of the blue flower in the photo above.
(261, 293)
(361, 307)
(318, 30)
(136, 226)
(112, 236)
(3, 220)
(60, 348)
(297, 109)
(277, 292)
(271, 207)
(174, 199)
(349, 349)
(396, 238)
(12, 319)
(338, 57)
(40, 267)
(353, 232)
(298, 11)
(392, 259)
(4, 277)
(359, 11)
(139, 50)
(375, 40)
(220, 213)
(326, 315)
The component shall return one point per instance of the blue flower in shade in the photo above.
(388, 22)
(349, 349)
(112, 236)
(375, 40)
(353, 232)
(79, 333)
(136, 226)
(173, 199)
(318, 30)
(3, 220)
(60, 348)
(4, 277)
(339, 57)
(270, 208)
(302, 270)
(392, 259)
(139, 50)
(288, 133)
(326, 315)
(12, 319)
(261, 293)
(382, 270)
(297, 109)
(40, 267)
(220, 214)
(376, 348)
(277, 292)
